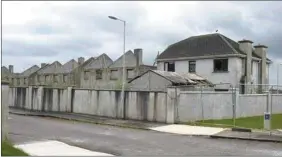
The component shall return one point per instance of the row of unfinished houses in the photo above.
(96, 72)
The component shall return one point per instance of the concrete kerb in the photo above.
(241, 129)
(80, 120)
(246, 139)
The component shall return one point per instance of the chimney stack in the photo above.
(43, 65)
(139, 56)
(80, 60)
(260, 50)
(247, 47)
(11, 68)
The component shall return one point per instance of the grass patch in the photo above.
(8, 150)
(255, 122)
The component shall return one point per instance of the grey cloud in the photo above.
(88, 27)
(16, 48)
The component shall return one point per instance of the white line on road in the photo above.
(56, 148)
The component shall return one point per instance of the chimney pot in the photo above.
(139, 56)
(80, 60)
(11, 68)
(43, 65)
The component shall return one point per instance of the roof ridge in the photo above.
(223, 38)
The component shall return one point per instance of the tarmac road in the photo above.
(124, 141)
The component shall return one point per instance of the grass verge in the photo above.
(8, 150)
(255, 122)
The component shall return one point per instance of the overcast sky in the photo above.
(36, 32)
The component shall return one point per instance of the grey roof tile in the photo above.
(203, 45)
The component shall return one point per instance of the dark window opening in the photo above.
(192, 66)
(130, 73)
(55, 78)
(220, 65)
(65, 78)
(86, 75)
(98, 74)
(114, 75)
(169, 66)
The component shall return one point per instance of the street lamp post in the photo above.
(278, 76)
(123, 58)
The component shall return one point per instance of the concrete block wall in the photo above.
(171, 106)
(4, 110)
(40, 99)
(251, 105)
(149, 106)
(194, 106)
(276, 103)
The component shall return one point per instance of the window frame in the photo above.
(101, 74)
(55, 78)
(191, 63)
(223, 69)
(111, 76)
(166, 68)
(86, 74)
(65, 78)
(127, 76)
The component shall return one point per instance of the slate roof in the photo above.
(179, 78)
(102, 61)
(68, 66)
(30, 70)
(203, 45)
(5, 70)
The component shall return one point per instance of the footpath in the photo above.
(212, 132)
(56, 148)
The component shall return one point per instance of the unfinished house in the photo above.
(93, 73)
(64, 76)
(134, 67)
(55, 74)
(156, 80)
(22, 79)
(45, 75)
(220, 60)
(7, 74)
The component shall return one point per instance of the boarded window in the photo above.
(12, 80)
(169, 66)
(55, 78)
(86, 75)
(192, 66)
(130, 73)
(46, 78)
(18, 81)
(98, 74)
(38, 78)
(220, 65)
(114, 74)
(25, 81)
(65, 78)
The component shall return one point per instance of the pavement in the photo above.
(213, 132)
(56, 148)
(189, 130)
(127, 141)
(263, 136)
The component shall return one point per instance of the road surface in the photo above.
(124, 141)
